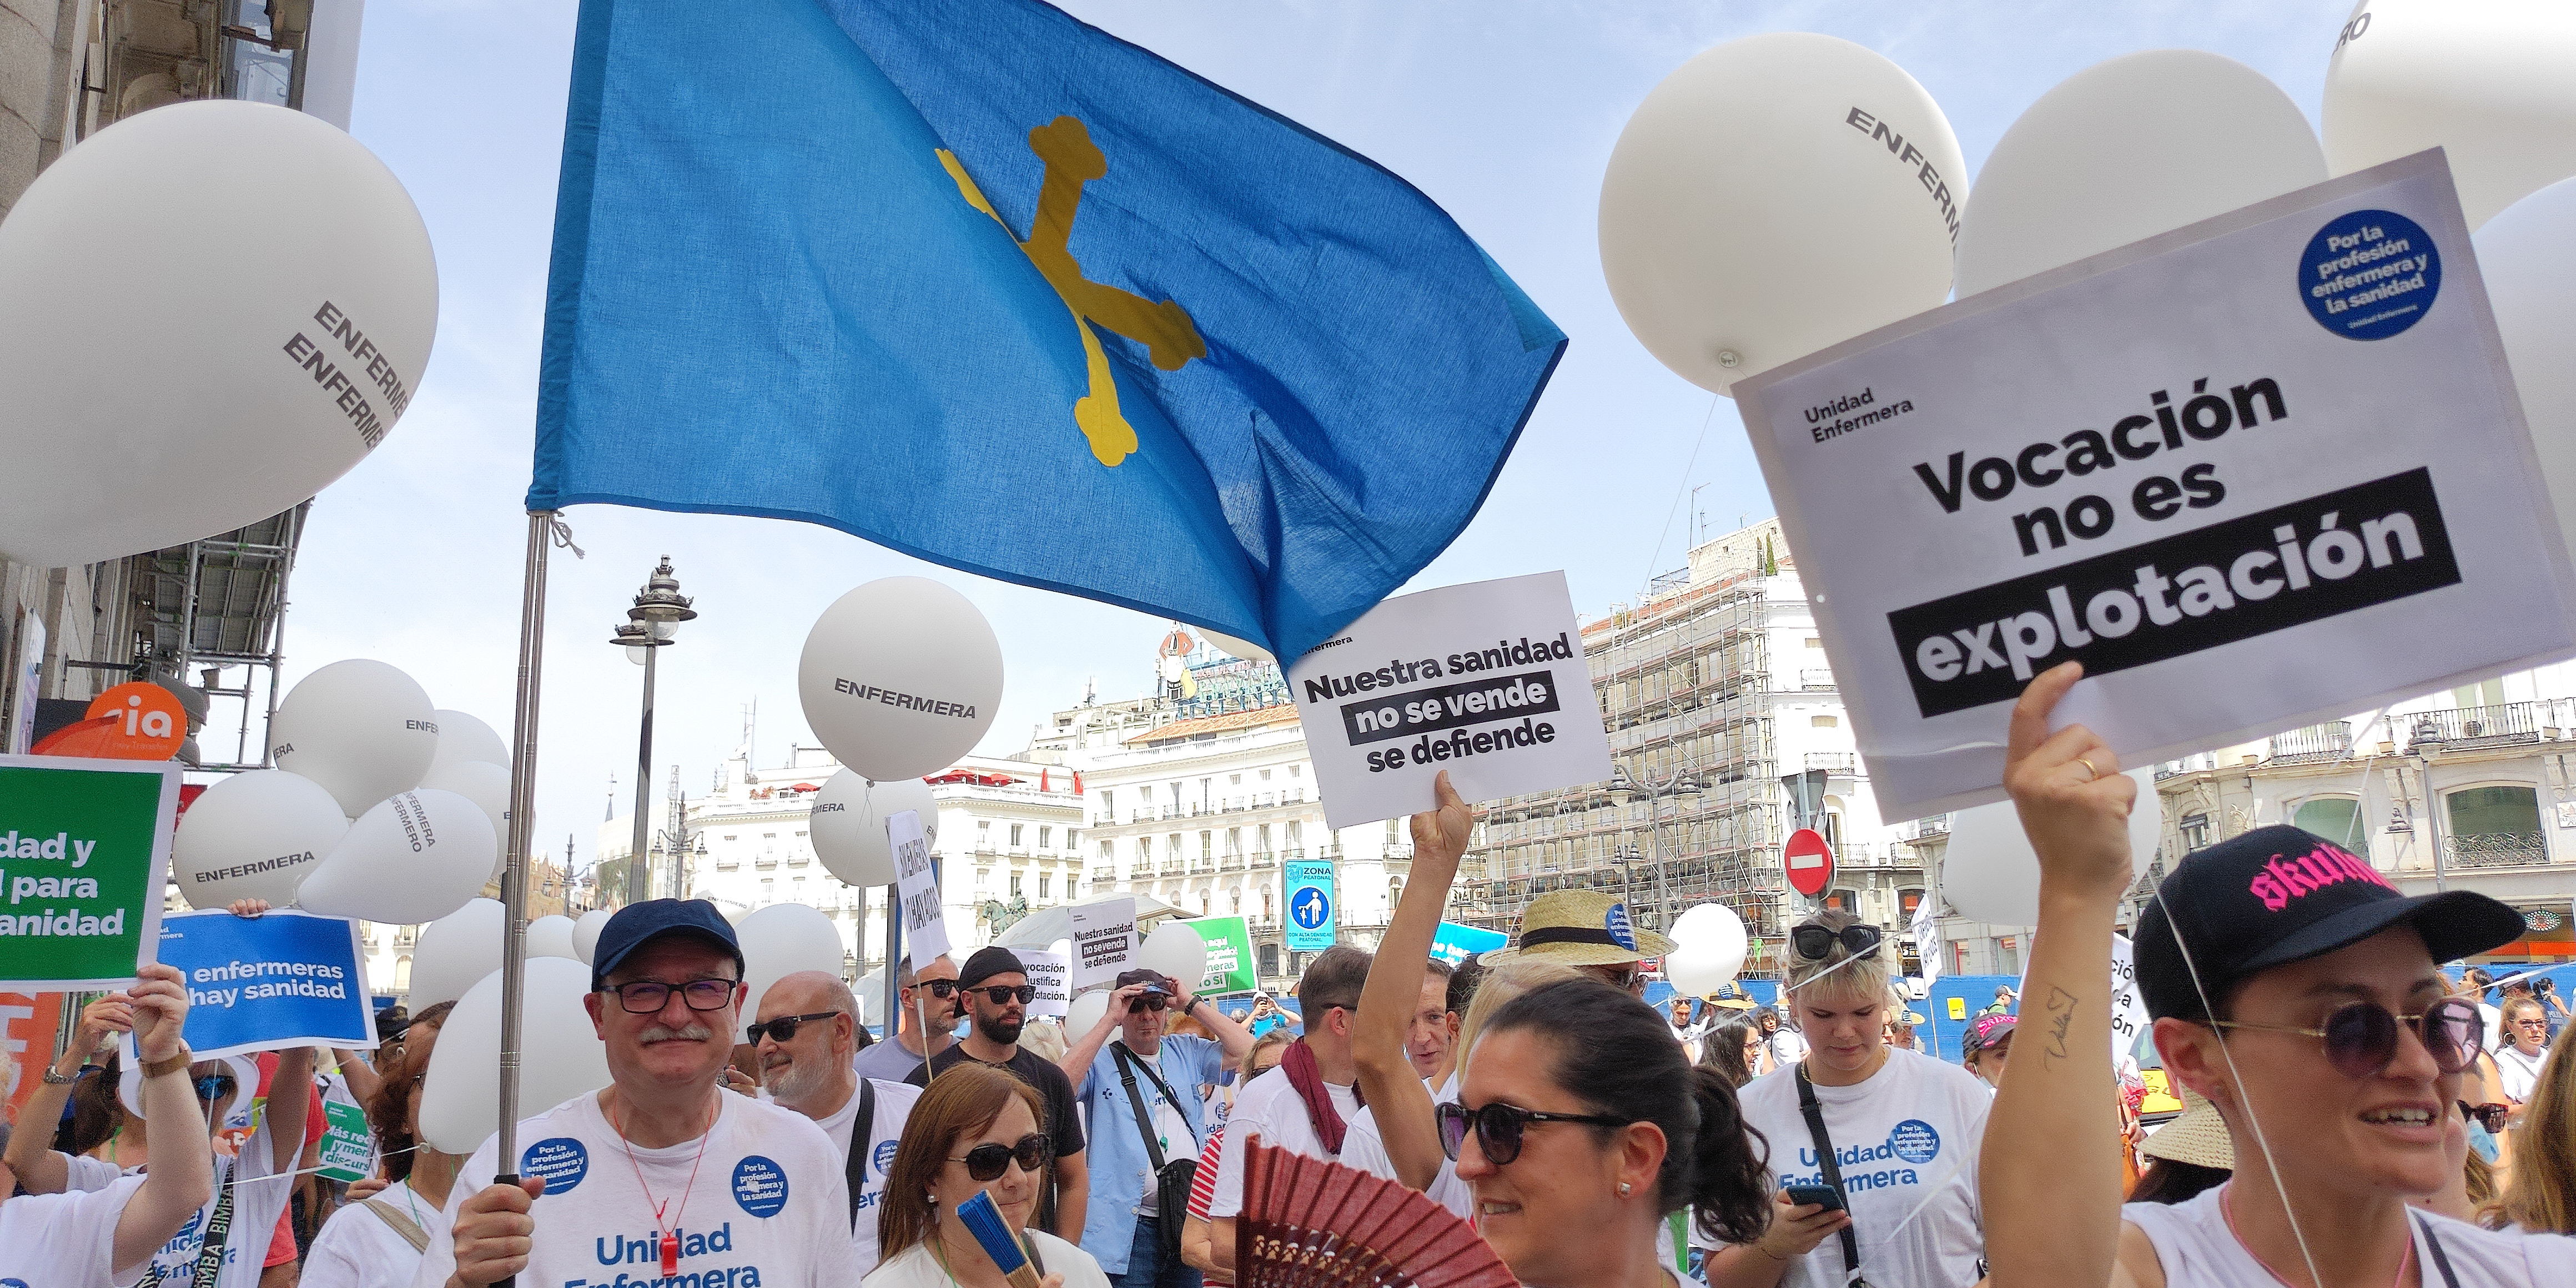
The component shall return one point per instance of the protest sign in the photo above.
(1486, 681)
(283, 979)
(2128, 1010)
(1454, 943)
(1310, 904)
(2254, 474)
(1229, 956)
(348, 1147)
(84, 853)
(925, 928)
(29, 1025)
(1104, 940)
(1047, 974)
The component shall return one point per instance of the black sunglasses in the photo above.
(1815, 943)
(216, 1086)
(784, 1027)
(2491, 1117)
(939, 987)
(1499, 1127)
(647, 996)
(1004, 994)
(985, 1162)
(1152, 1001)
(2361, 1039)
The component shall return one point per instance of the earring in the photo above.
(1623, 1189)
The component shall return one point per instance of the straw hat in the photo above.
(1580, 928)
(1730, 997)
(2196, 1135)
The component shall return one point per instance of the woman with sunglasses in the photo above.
(1903, 1129)
(974, 1130)
(2526, 1032)
(377, 1240)
(1579, 1128)
(2292, 985)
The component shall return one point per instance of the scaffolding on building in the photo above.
(1683, 683)
(218, 604)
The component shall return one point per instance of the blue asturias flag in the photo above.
(984, 284)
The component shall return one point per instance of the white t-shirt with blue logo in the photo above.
(894, 1103)
(69, 1238)
(769, 1208)
(1906, 1140)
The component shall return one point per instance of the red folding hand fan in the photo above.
(1307, 1223)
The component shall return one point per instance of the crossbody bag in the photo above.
(1814, 1112)
(1171, 1179)
(863, 1142)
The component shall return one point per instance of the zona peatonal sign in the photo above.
(84, 854)
(2253, 474)
(1486, 680)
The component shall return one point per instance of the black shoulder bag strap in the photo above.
(1125, 1058)
(1144, 1121)
(863, 1142)
(1814, 1112)
(2441, 1259)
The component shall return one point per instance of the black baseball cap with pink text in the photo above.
(2278, 895)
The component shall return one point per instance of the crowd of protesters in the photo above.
(2385, 1124)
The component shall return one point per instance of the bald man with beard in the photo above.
(806, 1033)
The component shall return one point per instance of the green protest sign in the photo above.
(1229, 955)
(347, 1145)
(84, 852)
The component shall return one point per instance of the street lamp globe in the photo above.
(636, 640)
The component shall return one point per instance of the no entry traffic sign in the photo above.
(1810, 862)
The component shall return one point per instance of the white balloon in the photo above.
(1698, 970)
(415, 858)
(900, 677)
(782, 939)
(849, 824)
(560, 1055)
(1989, 873)
(1774, 196)
(1232, 647)
(2487, 81)
(461, 737)
(1714, 949)
(551, 936)
(488, 786)
(1697, 922)
(2528, 257)
(454, 951)
(1176, 950)
(1085, 1012)
(358, 727)
(585, 932)
(224, 388)
(254, 835)
(2061, 185)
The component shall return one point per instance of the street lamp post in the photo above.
(652, 623)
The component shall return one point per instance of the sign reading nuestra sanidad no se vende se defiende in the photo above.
(2253, 474)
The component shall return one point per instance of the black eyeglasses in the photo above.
(2491, 1117)
(985, 1162)
(1005, 994)
(2361, 1039)
(784, 1027)
(1815, 943)
(648, 996)
(1499, 1127)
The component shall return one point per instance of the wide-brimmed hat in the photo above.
(1580, 928)
(2197, 1135)
(1729, 997)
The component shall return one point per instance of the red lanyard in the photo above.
(670, 1233)
(2228, 1214)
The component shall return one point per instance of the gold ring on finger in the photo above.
(2088, 768)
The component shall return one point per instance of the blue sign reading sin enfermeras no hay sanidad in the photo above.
(284, 979)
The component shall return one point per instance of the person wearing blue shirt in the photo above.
(1134, 1082)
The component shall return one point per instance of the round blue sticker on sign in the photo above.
(2370, 275)
(559, 1159)
(1914, 1141)
(1616, 922)
(760, 1186)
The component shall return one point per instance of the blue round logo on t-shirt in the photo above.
(883, 1159)
(760, 1186)
(1914, 1141)
(2370, 275)
(559, 1159)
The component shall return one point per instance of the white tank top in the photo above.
(2197, 1250)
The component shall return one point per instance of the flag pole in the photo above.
(544, 529)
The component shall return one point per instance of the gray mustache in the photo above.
(690, 1033)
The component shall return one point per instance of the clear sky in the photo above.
(1504, 111)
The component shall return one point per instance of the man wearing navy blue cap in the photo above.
(659, 1174)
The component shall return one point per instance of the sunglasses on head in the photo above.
(985, 1162)
(784, 1027)
(1499, 1128)
(1815, 943)
(1005, 994)
(2491, 1117)
(2361, 1039)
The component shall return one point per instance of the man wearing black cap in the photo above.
(1144, 1083)
(996, 991)
(2293, 987)
(659, 1176)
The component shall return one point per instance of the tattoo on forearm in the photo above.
(2061, 1016)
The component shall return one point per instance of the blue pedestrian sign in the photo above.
(1310, 905)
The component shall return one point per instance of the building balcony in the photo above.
(1834, 762)
(1229, 863)
(2459, 728)
(1203, 863)
(2496, 850)
(2315, 744)
(1102, 875)
(1816, 679)
(1173, 867)
(1139, 871)
(1264, 859)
